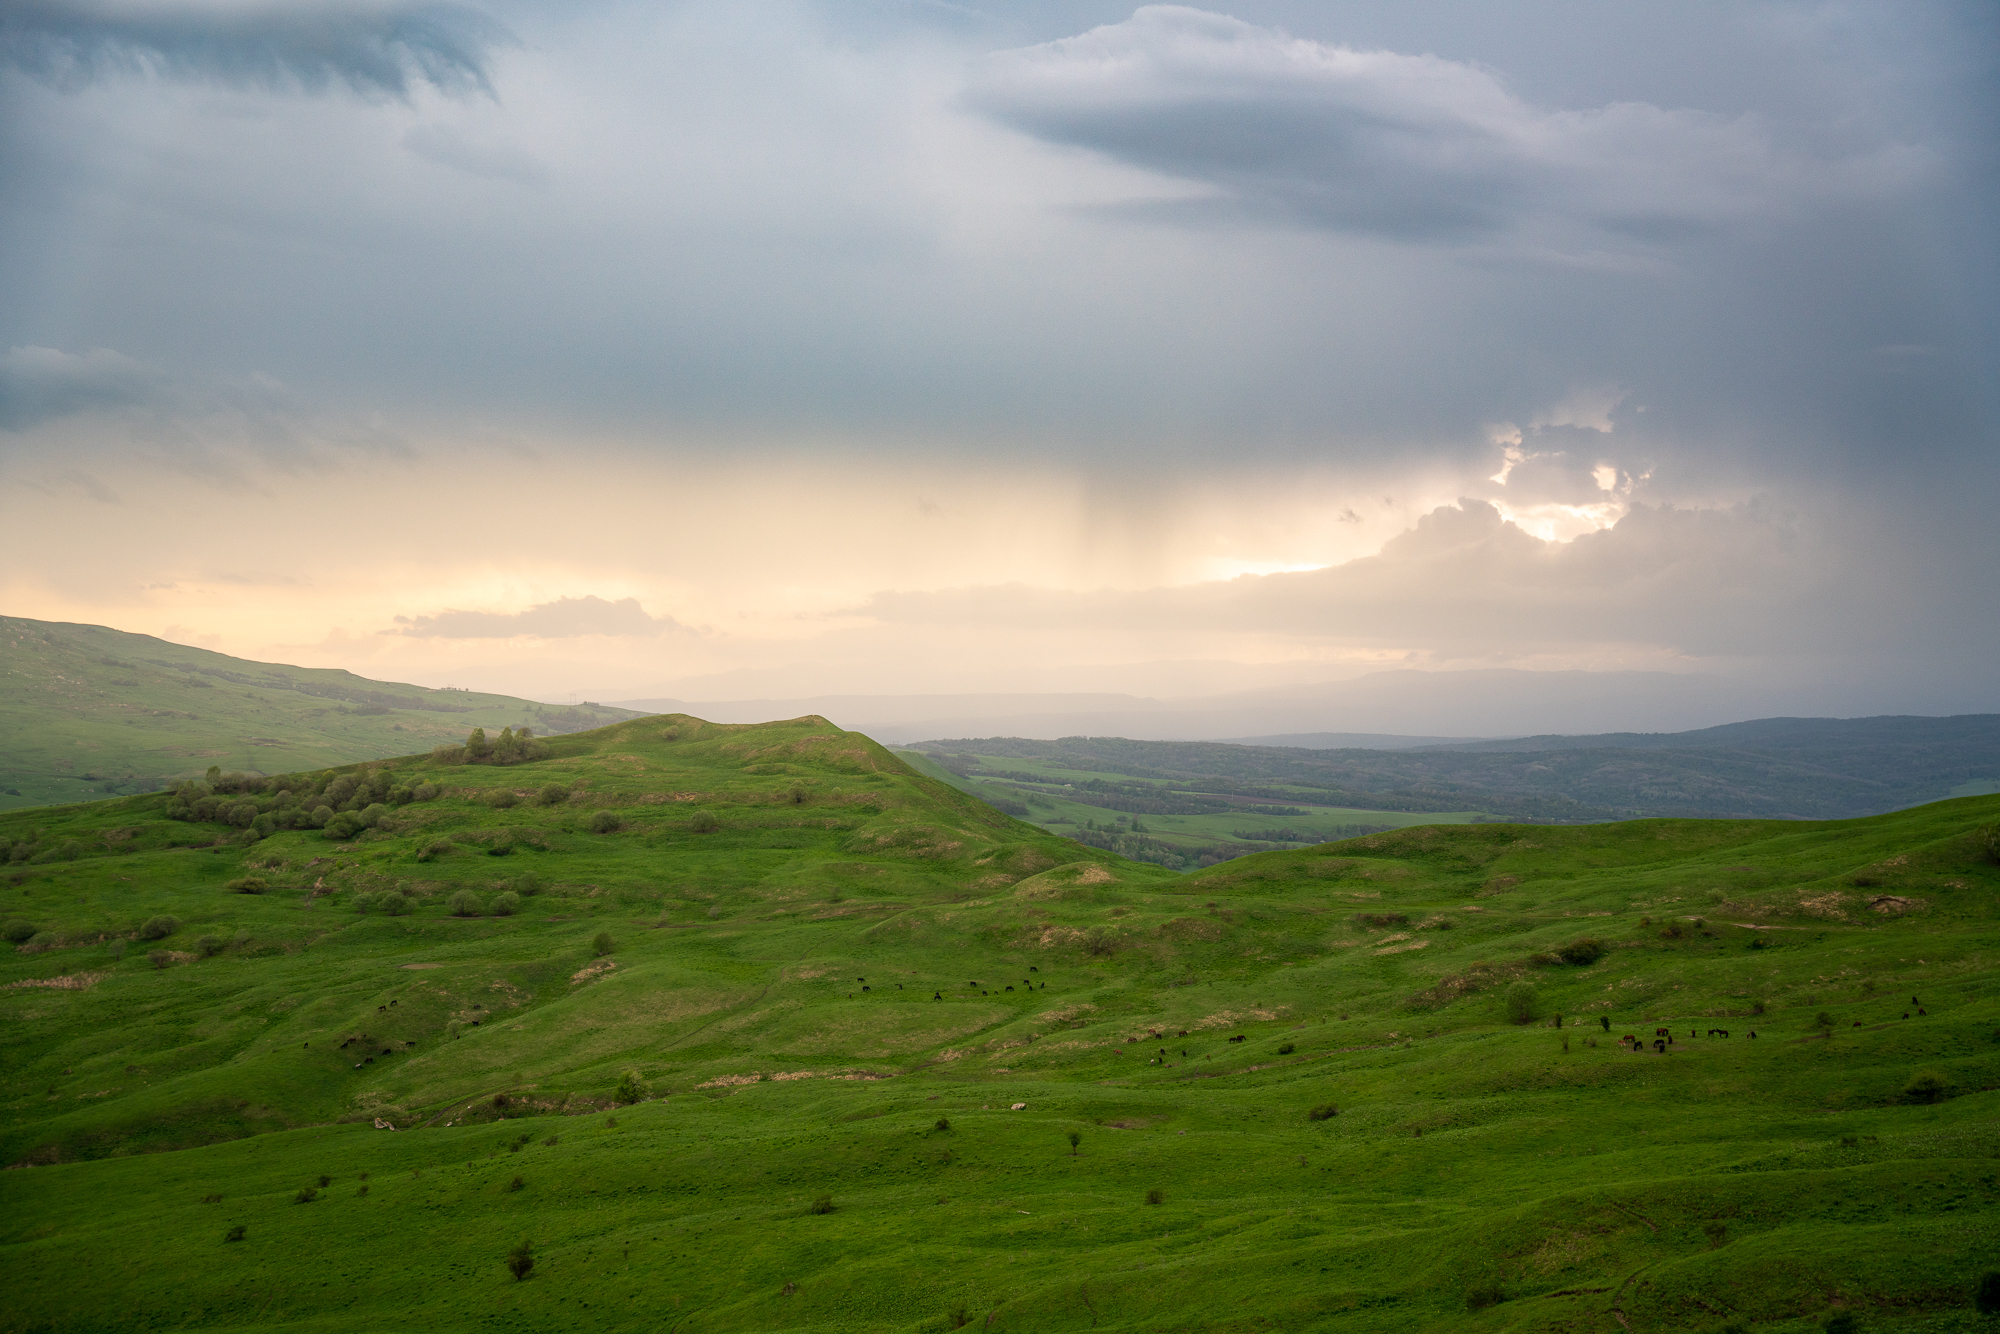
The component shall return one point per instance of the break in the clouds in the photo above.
(1405, 146)
(565, 618)
(922, 347)
(372, 47)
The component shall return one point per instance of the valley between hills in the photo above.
(756, 1027)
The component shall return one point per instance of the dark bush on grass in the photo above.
(424, 792)
(320, 817)
(1326, 1111)
(1156, 1196)
(516, 1184)
(325, 1181)
(434, 849)
(209, 946)
(1986, 1293)
(1841, 1322)
(160, 958)
(526, 885)
(629, 1090)
(506, 905)
(1287, 1049)
(159, 928)
(18, 932)
(1927, 1087)
(247, 884)
(392, 903)
(1520, 1003)
(604, 944)
(234, 1234)
(464, 904)
(1989, 841)
(1383, 919)
(1580, 953)
(502, 798)
(521, 1260)
(604, 822)
(943, 1123)
(1482, 1293)
(822, 1204)
(552, 794)
(344, 825)
(306, 1195)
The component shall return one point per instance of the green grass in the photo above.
(1771, 1180)
(86, 711)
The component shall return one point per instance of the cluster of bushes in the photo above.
(37, 850)
(341, 804)
(510, 747)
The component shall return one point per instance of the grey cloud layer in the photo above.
(565, 618)
(1405, 146)
(372, 47)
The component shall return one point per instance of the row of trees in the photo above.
(340, 804)
(510, 747)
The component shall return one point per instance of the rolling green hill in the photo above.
(86, 710)
(756, 1028)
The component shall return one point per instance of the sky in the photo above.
(730, 350)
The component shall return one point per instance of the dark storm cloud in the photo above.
(377, 48)
(565, 618)
(1403, 146)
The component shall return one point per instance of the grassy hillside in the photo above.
(1786, 768)
(829, 978)
(86, 710)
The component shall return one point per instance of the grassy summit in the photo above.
(745, 1050)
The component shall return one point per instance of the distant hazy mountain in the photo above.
(1424, 707)
(86, 710)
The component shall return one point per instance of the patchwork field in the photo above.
(757, 1028)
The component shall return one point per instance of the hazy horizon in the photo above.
(785, 350)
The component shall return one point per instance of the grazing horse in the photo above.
(1660, 1046)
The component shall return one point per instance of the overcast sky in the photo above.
(739, 349)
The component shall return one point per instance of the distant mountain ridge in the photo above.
(1800, 768)
(86, 710)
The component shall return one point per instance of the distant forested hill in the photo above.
(1810, 768)
(86, 710)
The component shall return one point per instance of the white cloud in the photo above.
(565, 618)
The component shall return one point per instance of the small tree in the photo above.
(1074, 1140)
(603, 822)
(521, 1260)
(516, 1184)
(210, 946)
(160, 958)
(159, 928)
(464, 904)
(1580, 953)
(703, 822)
(506, 905)
(552, 794)
(1520, 1003)
(629, 1090)
(1823, 1022)
(477, 747)
(234, 1234)
(822, 1204)
(604, 944)
(1605, 1019)
(943, 1124)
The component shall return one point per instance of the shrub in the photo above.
(247, 884)
(526, 885)
(506, 905)
(1580, 953)
(392, 903)
(1823, 1021)
(629, 1090)
(521, 1260)
(703, 822)
(501, 798)
(159, 928)
(1100, 943)
(1326, 1111)
(516, 1184)
(321, 817)
(117, 948)
(604, 822)
(604, 944)
(1520, 1003)
(464, 904)
(1482, 1293)
(371, 815)
(1989, 841)
(822, 1204)
(18, 932)
(234, 1234)
(325, 1180)
(1156, 1196)
(942, 1124)
(434, 849)
(342, 826)
(1986, 1293)
(1716, 1231)
(1927, 1087)
(1605, 1019)
(209, 946)
(502, 846)
(400, 795)
(1841, 1322)
(552, 794)
(425, 792)
(306, 1195)
(1287, 1049)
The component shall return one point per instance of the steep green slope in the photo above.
(846, 986)
(87, 710)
